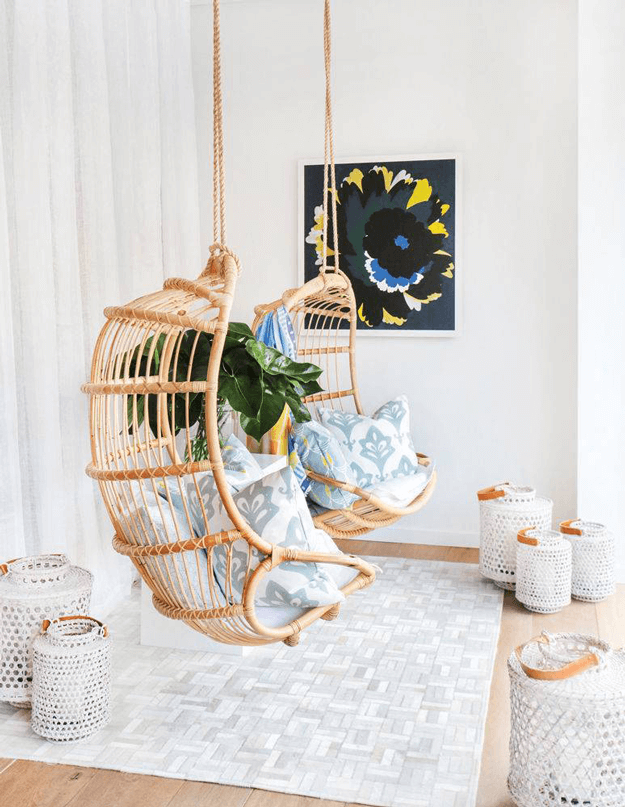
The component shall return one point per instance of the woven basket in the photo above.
(32, 589)
(567, 741)
(504, 510)
(71, 679)
(593, 559)
(543, 570)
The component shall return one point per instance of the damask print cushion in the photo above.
(320, 451)
(240, 467)
(276, 509)
(374, 447)
(397, 412)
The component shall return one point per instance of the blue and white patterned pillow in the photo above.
(240, 465)
(240, 468)
(275, 508)
(397, 412)
(373, 446)
(320, 451)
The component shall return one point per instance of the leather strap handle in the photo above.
(523, 538)
(47, 622)
(576, 667)
(4, 567)
(566, 529)
(492, 492)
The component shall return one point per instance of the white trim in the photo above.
(458, 276)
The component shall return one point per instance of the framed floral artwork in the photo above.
(398, 232)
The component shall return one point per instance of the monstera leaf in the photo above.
(255, 380)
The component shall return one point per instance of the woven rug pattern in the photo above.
(384, 706)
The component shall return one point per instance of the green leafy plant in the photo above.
(254, 380)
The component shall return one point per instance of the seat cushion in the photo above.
(374, 447)
(400, 491)
(321, 452)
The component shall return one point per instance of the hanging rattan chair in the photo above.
(323, 312)
(133, 461)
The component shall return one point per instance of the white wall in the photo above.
(602, 264)
(494, 81)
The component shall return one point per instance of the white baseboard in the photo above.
(407, 535)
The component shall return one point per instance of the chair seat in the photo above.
(401, 491)
(394, 498)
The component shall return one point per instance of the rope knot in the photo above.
(214, 265)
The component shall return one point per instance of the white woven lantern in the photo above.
(543, 570)
(504, 510)
(71, 679)
(593, 559)
(32, 589)
(567, 741)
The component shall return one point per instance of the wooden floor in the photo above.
(35, 784)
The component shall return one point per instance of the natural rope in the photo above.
(329, 172)
(219, 182)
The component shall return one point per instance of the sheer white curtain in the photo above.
(98, 203)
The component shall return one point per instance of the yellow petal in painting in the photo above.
(421, 193)
(355, 178)
(438, 228)
(449, 272)
(413, 301)
(390, 319)
(444, 209)
(388, 176)
(362, 316)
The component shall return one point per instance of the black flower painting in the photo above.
(396, 239)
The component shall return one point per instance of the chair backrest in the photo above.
(142, 419)
(323, 312)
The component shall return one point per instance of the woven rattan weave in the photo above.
(543, 570)
(567, 741)
(31, 589)
(71, 679)
(504, 510)
(593, 559)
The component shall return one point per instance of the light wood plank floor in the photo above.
(35, 784)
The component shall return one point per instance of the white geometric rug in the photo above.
(384, 706)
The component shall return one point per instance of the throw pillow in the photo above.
(373, 446)
(320, 451)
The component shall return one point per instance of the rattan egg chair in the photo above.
(323, 312)
(136, 460)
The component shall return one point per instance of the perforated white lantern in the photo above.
(543, 570)
(593, 559)
(567, 740)
(31, 590)
(71, 679)
(504, 510)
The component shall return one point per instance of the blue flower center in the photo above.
(402, 242)
(380, 274)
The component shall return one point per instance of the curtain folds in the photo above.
(98, 204)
